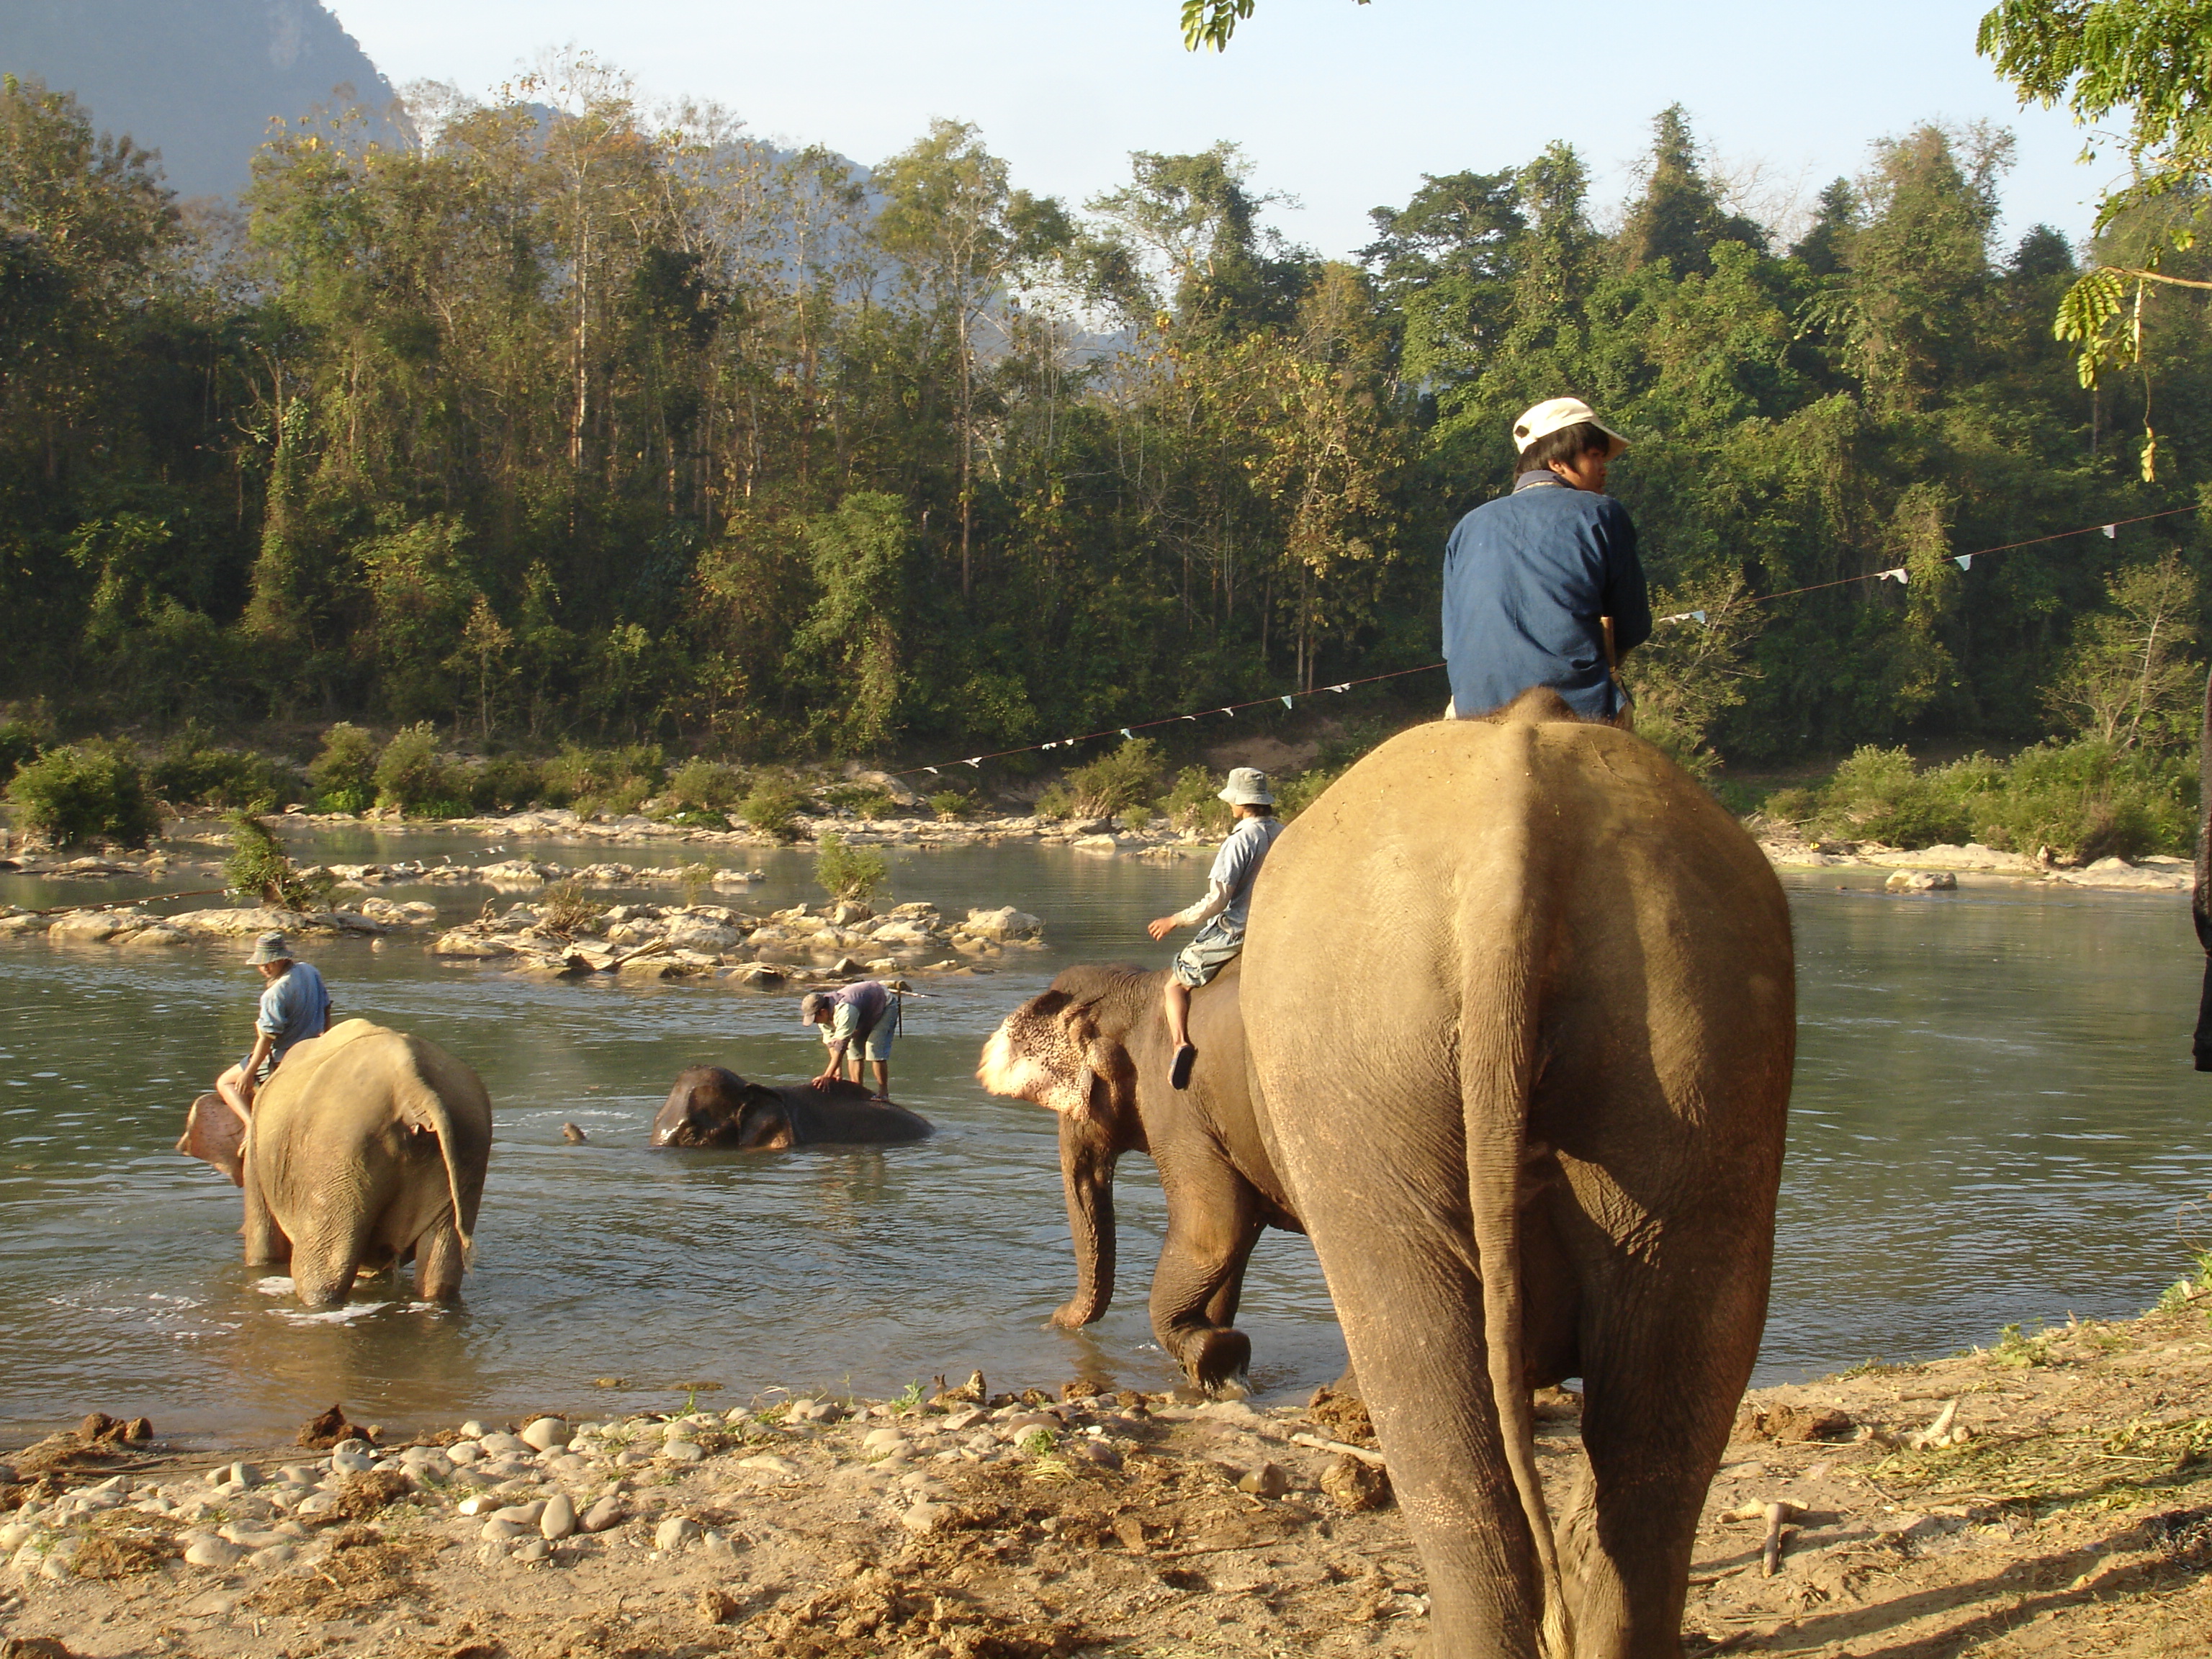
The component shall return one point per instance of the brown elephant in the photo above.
(1094, 1049)
(1520, 1006)
(367, 1145)
(710, 1106)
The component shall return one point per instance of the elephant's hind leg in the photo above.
(266, 1246)
(1214, 1218)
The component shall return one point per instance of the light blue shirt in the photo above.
(293, 1008)
(1238, 865)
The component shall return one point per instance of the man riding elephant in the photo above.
(295, 1006)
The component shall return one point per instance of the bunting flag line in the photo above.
(1900, 575)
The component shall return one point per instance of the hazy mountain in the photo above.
(197, 80)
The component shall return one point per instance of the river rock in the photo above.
(93, 926)
(215, 1553)
(559, 1519)
(499, 1531)
(463, 1451)
(683, 1451)
(882, 1439)
(536, 1550)
(158, 934)
(1922, 881)
(925, 1517)
(768, 1463)
(465, 944)
(544, 1433)
(1004, 923)
(500, 1444)
(675, 1532)
(523, 1514)
(607, 1512)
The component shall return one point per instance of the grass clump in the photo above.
(566, 909)
(259, 867)
(701, 785)
(950, 806)
(849, 872)
(862, 800)
(85, 792)
(344, 775)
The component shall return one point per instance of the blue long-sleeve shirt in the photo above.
(1526, 579)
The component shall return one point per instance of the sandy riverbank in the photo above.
(2065, 1508)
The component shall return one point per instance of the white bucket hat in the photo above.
(269, 947)
(1248, 786)
(1557, 414)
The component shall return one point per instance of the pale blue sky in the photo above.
(1341, 105)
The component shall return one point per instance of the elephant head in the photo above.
(711, 1106)
(213, 1132)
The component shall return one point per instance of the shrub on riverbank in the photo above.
(2085, 801)
(259, 867)
(191, 771)
(775, 801)
(344, 773)
(85, 792)
(19, 744)
(411, 775)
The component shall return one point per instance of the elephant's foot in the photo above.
(1217, 1360)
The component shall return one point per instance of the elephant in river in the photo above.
(710, 1106)
(1519, 1002)
(1094, 1049)
(367, 1145)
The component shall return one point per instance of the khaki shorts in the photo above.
(1216, 946)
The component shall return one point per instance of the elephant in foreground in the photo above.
(367, 1145)
(1519, 1000)
(710, 1106)
(1094, 1050)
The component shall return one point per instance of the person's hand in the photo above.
(823, 1081)
(245, 1089)
(1160, 928)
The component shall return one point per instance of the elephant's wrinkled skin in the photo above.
(1520, 1003)
(1094, 1049)
(367, 1145)
(712, 1107)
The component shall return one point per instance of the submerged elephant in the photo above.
(1094, 1049)
(1519, 999)
(367, 1145)
(710, 1106)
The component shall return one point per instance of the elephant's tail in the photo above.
(1498, 1060)
(423, 1104)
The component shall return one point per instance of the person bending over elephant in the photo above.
(1097, 1049)
(366, 1146)
(860, 1021)
(295, 1005)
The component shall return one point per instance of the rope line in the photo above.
(2110, 528)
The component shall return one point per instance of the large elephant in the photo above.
(1520, 1004)
(1094, 1049)
(709, 1106)
(367, 1145)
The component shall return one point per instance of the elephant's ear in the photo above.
(1037, 1054)
(761, 1106)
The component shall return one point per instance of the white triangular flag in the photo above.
(1897, 576)
(1964, 561)
(2112, 532)
(1346, 686)
(1700, 615)
(933, 771)
(1128, 734)
(1286, 702)
(977, 762)
(1230, 713)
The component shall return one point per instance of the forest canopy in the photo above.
(587, 419)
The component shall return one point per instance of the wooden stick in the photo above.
(1359, 1452)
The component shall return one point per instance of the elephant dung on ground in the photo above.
(367, 1145)
(710, 1106)
(1094, 1050)
(1520, 1003)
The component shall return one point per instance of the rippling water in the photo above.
(1994, 1120)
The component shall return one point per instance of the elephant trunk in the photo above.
(1087, 1156)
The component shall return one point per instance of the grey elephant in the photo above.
(367, 1145)
(1095, 1049)
(712, 1106)
(1519, 1001)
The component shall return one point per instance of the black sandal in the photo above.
(1179, 1072)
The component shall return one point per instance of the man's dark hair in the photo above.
(1567, 444)
(1259, 809)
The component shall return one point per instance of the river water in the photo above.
(1994, 1121)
